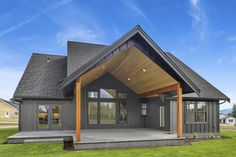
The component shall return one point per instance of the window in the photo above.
(201, 112)
(93, 94)
(196, 112)
(107, 106)
(122, 95)
(108, 112)
(123, 112)
(56, 117)
(15, 114)
(162, 116)
(107, 93)
(92, 112)
(231, 120)
(43, 111)
(144, 109)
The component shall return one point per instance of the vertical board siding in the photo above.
(212, 124)
(134, 119)
(153, 116)
(29, 113)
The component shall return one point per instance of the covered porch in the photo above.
(142, 76)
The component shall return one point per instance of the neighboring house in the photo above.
(225, 119)
(131, 83)
(8, 110)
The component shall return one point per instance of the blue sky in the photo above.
(201, 33)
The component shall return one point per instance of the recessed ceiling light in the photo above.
(144, 70)
(128, 79)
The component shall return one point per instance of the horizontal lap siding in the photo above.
(212, 124)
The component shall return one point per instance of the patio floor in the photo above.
(112, 135)
(97, 135)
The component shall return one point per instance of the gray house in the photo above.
(124, 87)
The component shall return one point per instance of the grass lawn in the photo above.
(213, 148)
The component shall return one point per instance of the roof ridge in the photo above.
(87, 43)
(46, 54)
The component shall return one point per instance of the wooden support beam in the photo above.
(160, 90)
(179, 111)
(78, 107)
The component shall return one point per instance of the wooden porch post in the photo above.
(78, 106)
(179, 111)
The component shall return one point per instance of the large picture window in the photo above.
(107, 107)
(108, 112)
(196, 111)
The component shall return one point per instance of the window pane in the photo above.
(43, 116)
(92, 112)
(189, 117)
(108, 112)
(201, 106)
(122, 95)
(162, 116)
(56, 117)
(92, 94)
(107, 93)
(190, 107)
(123, 112)
(200, 116)
(144, 109)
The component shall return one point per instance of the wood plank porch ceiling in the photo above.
(134, 69)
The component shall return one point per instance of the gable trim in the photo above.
(117, 45)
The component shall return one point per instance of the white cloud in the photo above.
(199, 19)
(8, 81)
(194, 2)
(43, 12)
(131, 5)
(78, 33)
(233, 38)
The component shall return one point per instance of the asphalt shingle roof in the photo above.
(80, 53)
(41, 77)
(206, 89)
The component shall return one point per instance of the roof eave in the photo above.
(127, 36)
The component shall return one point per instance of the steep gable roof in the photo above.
(79, 53)
(41, 77)
(117, 45)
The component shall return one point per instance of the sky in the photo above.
(201, 33)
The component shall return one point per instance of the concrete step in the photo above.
(43, 140)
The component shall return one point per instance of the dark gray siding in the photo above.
(153, 113)
(212, 124)
(135, 120)
(29, 111)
